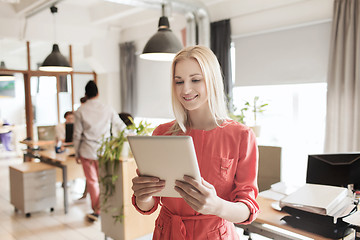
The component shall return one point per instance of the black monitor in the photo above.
(69, 130)
(339, 169)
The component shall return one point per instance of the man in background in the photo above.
(60, 128)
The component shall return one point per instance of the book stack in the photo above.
(319, 209)
(319, 199)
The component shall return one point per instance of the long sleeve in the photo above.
(78, 129)
(246, 189)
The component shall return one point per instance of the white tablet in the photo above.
(166, 157)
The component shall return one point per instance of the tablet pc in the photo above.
(166, 157)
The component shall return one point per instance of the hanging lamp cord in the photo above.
(54, 10)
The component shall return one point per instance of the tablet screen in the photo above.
(166, 157)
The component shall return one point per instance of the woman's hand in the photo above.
(201, 196)
(144, 188)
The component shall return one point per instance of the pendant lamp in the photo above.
(5, 76)
(55, 62)
(163, 45)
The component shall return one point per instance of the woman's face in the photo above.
(189, 82)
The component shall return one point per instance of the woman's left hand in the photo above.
(201, 196)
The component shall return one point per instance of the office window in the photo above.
(43, 94)
(44, 100)
(287, 68)
(293, 120)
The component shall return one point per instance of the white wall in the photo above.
(109, 89)
(103, 55)
(80, 81)
(154, 89)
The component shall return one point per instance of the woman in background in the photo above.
(226, 151)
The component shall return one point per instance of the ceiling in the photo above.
(80, 22)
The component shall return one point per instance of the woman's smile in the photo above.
(190, 98)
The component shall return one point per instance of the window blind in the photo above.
(291, 56)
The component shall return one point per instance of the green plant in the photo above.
(255, 107)
(143, 128)
(109, 155)
(238, 117)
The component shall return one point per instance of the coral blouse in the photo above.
(227, 157)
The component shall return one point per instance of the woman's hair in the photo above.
(126, 118)
(91, 89)
(83, 99)
(211, 71)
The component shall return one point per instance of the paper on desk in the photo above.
(353, 219)
(278, 191)
(270, 194)
(284, 188)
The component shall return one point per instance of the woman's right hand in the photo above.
(144, 188)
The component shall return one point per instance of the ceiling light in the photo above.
(163, 45)
(5, 76)
(55, 62)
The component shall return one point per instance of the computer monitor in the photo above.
(339, 169)
(69, 130)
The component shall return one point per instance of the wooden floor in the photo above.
(45, 224)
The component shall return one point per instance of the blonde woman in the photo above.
(226, 151)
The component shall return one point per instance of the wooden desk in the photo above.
(62, 161)
(32, 143)
(272, 217)
(74, 170)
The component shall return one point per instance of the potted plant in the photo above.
(256, 107)
(116, 169)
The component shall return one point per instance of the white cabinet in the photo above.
(32, 187)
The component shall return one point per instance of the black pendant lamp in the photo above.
(163, 45)
(5, 76)
(55, 62)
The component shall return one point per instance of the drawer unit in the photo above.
(32, 187)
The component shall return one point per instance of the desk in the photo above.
(272, 217)
(32, 144)
(60, 160)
